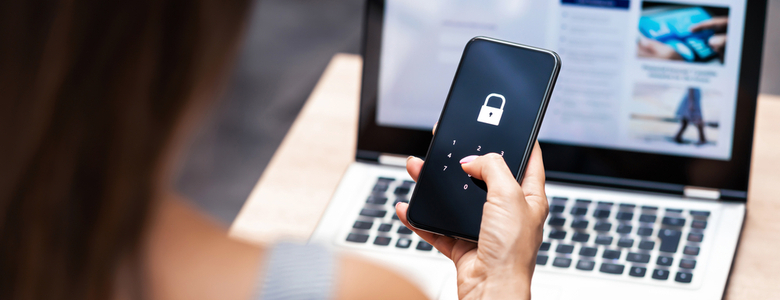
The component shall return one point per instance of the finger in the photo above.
(442, 243)
(413, 166)
(492, 169)
(533, 181)
(717, 41)
(714, 24)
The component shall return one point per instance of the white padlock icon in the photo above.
(489, 114)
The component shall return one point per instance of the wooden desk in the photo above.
(291, 195)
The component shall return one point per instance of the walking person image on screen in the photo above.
(689, 111)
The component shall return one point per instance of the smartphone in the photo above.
(495, 104)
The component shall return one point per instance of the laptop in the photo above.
(647, 139)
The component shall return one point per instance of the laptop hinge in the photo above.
(701, 193)
(392, 160)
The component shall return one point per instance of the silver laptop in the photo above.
(647, 139)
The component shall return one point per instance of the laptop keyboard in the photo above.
(636, 241)
(378, 225)
(623, 238)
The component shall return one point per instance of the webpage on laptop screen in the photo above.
(649, 76)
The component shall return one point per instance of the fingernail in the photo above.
(468, 159)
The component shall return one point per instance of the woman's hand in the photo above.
(718, 40)
(510, 234)
(655, 49)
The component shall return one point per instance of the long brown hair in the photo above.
(90, 95)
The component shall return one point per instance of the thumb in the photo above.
(492, 169)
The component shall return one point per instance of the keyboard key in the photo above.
(556, 209)
(664, 261)
(695, 237)
(585, 202)
(579, 211)
(611, 254)
(588, 251)
(562, 262)
(602, 226)
(674, 210)
(403, 243)
(579, 224)
(386, 179)
(612, 268)
(408, 183)
(362, 225)
(624, 216)
(603, 240)
(545, 246)
(555, 221)
(605, 203)
(424, 246)
(637, 271)
(623, 228)
(402, 190)
(403, 230)
(601, 214)
(557, 234)
(647, 207)
(647, 218)
(671, 221)
(700, 213)
(382, 241)
(560, 199)
(380, 187)
(586, 265)
(699, 224)
(541, 259)
(644, 231)
(627, 206)
(374, 213)
(385, 227)
(376, 199)
(646, 245)
(625, 242)
(687, 263)
(670, 239)
(580, 237)
(638, 257)
(691, 250)
(683, 277)
(357, 238)
(660, 274)
(395, 217)
(565, 249)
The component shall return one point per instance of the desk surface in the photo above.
(295, 188)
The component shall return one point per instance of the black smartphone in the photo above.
(496, 103)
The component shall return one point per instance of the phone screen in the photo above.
(498, 92)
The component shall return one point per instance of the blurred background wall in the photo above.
(288, 45)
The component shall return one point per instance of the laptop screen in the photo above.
(666, 85)
(653, 94)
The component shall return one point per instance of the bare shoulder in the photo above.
(360, 279)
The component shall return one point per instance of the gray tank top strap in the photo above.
(298, 272)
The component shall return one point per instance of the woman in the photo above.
(689, 111)
(98, 98)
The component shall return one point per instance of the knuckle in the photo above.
(493, 156)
